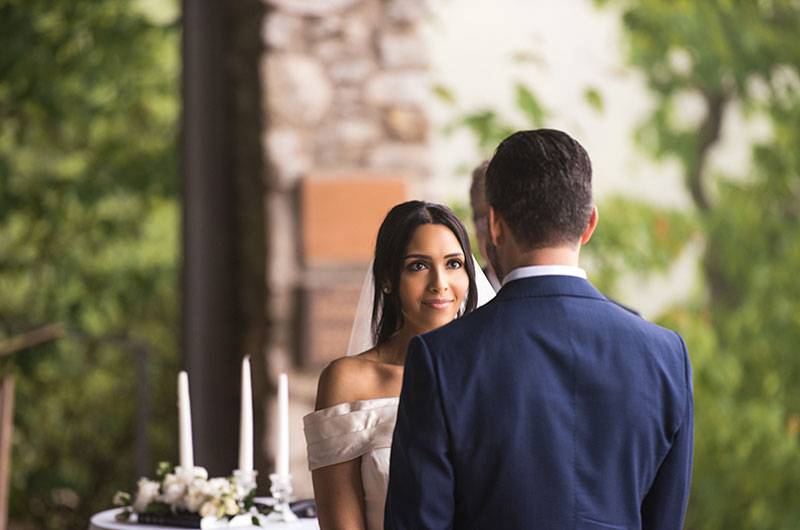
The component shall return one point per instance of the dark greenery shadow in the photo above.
(89, 225)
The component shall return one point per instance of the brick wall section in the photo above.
(341, 214)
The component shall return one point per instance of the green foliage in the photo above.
(530, 105)
(632, 237)
(486, 125)
(635, 237)
(594, 99)
(88, 237)
(744, 326)
(744, 332)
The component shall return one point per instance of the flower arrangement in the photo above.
(192, 500)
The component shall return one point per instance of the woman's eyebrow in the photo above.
(425, 256)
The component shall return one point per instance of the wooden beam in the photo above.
(6, 434)
(32, 338)
(209, 292)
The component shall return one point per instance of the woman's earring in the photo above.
(386, 290)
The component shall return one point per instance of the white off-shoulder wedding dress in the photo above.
(359, 429)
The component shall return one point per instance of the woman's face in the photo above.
(433, 280)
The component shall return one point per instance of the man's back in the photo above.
(549, 408)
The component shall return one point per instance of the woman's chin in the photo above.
(438, 322)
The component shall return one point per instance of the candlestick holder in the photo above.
(191, 473)
(245, 480)
(281, 490)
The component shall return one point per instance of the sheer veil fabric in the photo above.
(361, 334)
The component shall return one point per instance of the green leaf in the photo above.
(529, 104)
(594, 99)
(445, 94)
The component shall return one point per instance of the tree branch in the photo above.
(708, 136)
(35, 337)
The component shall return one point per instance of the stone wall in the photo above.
(345, 130)
(346, 86)
(345, 95)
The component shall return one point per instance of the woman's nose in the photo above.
(437, 281)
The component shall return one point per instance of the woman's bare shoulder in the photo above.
(349, 379)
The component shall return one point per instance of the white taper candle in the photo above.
(282, 455)
(246, 419)
(185, 423)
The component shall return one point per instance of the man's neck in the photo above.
(546, 256)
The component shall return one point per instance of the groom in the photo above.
(551, 407)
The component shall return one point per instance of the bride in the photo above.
(423, 276)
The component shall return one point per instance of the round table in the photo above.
(106, 521)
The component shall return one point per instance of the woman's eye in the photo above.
(416, 266)
(455, 264)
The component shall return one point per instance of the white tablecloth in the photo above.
(105, 521)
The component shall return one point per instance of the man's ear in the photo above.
(587, 233)
(495, 227)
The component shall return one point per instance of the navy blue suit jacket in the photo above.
(549, 408)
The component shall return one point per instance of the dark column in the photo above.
(246, 18)
(210, 337)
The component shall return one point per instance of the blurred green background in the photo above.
(89, 237)
(89, 213)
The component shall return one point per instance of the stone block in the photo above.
(326, 27)
(400, 89)
(281, 234)
(406, 124)
(282, 31)
(345, 142)
(298, 92)
(327, 318)
(410, 159)
(403, 49)
(313, 8)
(288, 153)
(351, 70)
(405, 12)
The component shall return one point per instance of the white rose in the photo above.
(208, 509)
(147, 492)
(195, 496)
(217, 487)
(239, 492)
(231, 507)
(122, 498)
(173, 491)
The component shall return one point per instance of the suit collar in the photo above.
(555, 285)
(543, 270)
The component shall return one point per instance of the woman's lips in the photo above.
(438, 303)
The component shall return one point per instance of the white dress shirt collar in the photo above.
(544, 270)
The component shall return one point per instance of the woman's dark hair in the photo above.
(392, 242)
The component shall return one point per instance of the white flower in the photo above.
(217, 487)
(122, 498)
(239, 492)
(208, 509)
(195, 496)
(147, 492)
(231, 507)
(174, 489)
